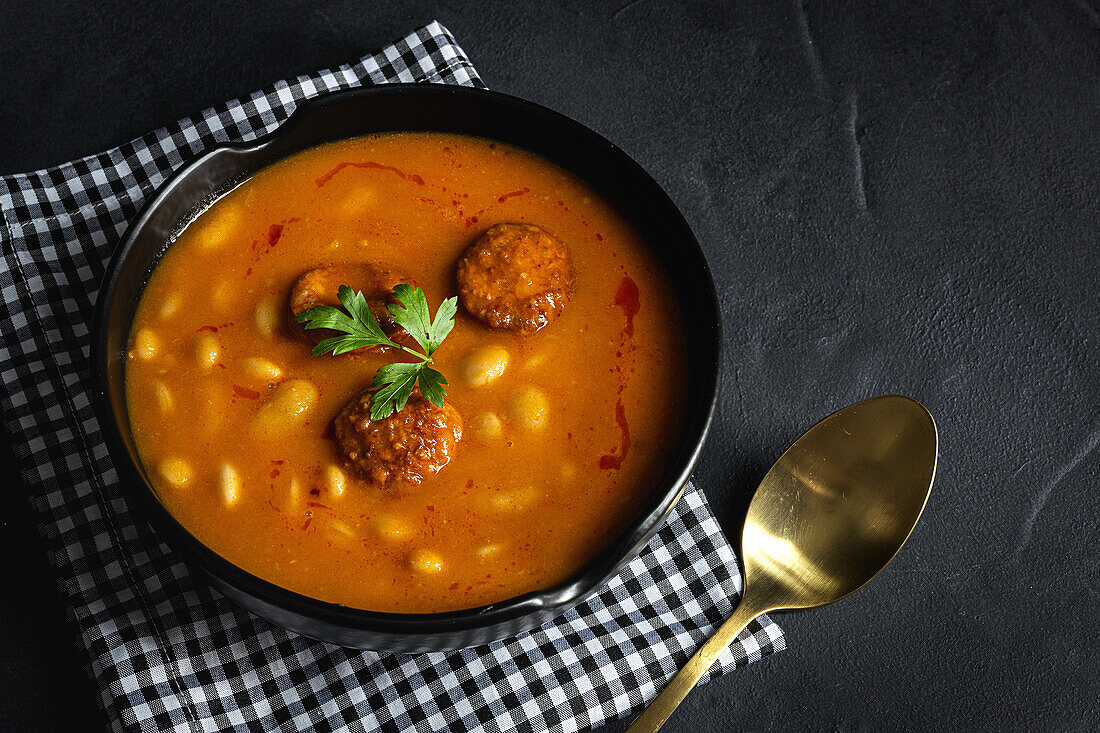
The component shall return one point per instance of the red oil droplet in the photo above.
(627, 298)
(369, 164)
(512, 194)
(613, 461)
(273, 233)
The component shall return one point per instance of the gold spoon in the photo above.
(828, 516)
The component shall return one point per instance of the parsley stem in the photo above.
(425, 359)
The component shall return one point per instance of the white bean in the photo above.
(207, 350)
(531, 407)
(145, 344)
(342, 528)
(229, 481)
(262, 369)
(335, 480)
(391, 528)
(514, 500)
(425, 561)
(223, 294)
(267, 316)
(218, 225)
(486, 426)
(285, 409)
(485, 365)
(163, 395)
(175, 471)
(170, 305)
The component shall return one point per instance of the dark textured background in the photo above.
(895, 197)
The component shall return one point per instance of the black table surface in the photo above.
(894, 197)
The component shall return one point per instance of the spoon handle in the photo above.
(653, 717)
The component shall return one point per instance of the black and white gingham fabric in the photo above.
(172, 654)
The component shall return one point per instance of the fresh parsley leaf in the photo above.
(443, 323)
(358, 328)
(394, 384)
(342, 344)
(356, 305)
(411, 313)
(431, 385)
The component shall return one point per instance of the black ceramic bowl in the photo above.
(412, 107)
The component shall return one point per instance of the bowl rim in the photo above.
(592, 577)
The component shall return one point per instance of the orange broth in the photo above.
(509, 514)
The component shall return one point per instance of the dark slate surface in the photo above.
(898, 199)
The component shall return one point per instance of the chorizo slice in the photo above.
(320, 285)
(402, 449)
(516, 277)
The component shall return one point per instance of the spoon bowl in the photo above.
(827, 518)
(839, 504)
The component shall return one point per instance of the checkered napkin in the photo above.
(170, 653)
